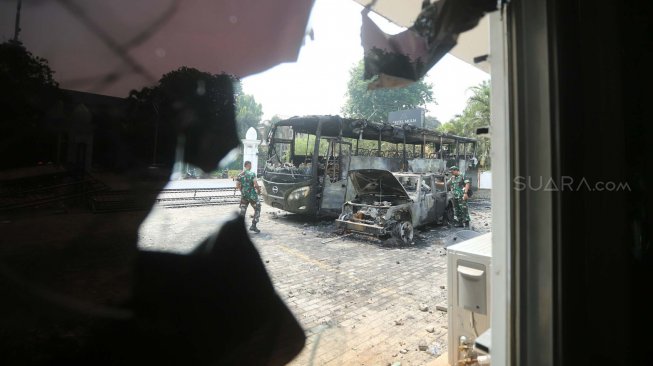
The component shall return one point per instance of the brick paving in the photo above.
(349, 294)
(357, 298)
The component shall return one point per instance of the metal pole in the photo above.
(378, 152)
(19, 4)
(423, 145)
(360, 137)
(292, 146)
(403, 163)
(441, 157)
(315, 167)
(465, 157)
(308, 137)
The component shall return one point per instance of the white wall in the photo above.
(485, 180)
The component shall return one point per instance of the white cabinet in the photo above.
(468, 276)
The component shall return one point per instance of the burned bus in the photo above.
(309, 158)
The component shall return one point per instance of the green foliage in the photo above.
(248, 113)
(304, 145)
(266, 126)
(22, 70)
(375, 105)
(476, 114)
(184, 100)
(431, 122)
(31, 105)
(374, 145)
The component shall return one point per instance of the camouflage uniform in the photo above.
(460, 211)
(248, 195)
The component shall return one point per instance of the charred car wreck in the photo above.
(386, 204)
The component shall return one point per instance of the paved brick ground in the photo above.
(357, 298)
(351, 293)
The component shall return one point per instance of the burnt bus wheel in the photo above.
(403, 232)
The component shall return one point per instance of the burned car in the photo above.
(387, 204)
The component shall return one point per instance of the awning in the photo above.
(111, 47)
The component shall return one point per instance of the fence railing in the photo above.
(111, 201)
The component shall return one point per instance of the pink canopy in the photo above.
(111, 47)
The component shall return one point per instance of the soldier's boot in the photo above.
(257, 215)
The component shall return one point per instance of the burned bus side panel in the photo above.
(312, 181)
(427, 165)
(375, 162)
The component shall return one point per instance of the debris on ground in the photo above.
(336, 238)
(430, 329)
(422, 345)
(423, 307)
(399, 322)
(441, 308)
(435, 349)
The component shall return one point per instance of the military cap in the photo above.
(454, 168)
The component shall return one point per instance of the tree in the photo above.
(264, 127)
(476, 114)
(374, 105)
(28, 97)
(248, 113)
(185, 100)
(431, 122)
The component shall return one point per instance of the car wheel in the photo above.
(403, 233)
(448, 216)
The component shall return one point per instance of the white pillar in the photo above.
(250, 148)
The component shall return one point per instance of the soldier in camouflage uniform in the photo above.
(459, 185)
(249, 191)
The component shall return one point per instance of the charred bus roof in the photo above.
(352, 127)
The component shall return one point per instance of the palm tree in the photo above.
(475, 115)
